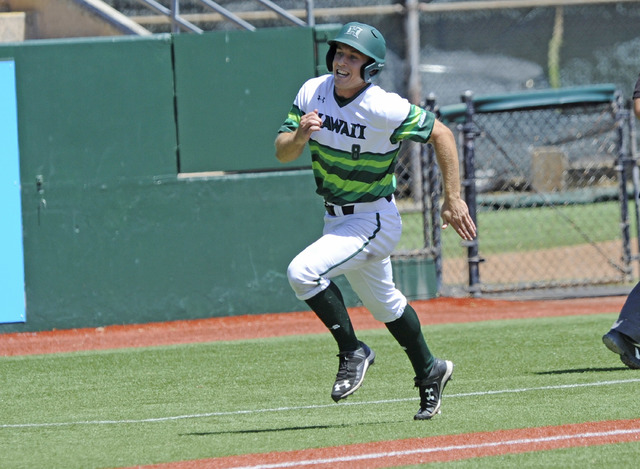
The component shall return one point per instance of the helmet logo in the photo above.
(354, 31)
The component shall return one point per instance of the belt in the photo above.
(347, 209)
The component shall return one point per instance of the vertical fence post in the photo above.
(311, 19)
(622, 166)
(635, 173)
(175, 13)
(431, 201)
(469, 183)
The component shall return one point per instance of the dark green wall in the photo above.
(228, 86)
(115, 231)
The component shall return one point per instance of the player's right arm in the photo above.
(290, 143)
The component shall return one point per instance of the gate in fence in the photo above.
(551, 178)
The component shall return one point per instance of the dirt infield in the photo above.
(443, 448)
(435, 311)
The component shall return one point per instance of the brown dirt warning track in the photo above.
(369, 455)
(443, 448)
(435, 311)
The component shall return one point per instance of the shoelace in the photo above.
(343, 367)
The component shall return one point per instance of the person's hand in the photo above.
(309, 123)
(290, 145)
(456, 213)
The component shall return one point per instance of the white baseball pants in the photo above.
(357, 246)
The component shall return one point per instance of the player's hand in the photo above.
(456, 213)
(290, 145)
(309, 123)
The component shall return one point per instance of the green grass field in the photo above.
(140, 406)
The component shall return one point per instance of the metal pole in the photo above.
(227, 14)
(621, 116)
(162, 10)
(311, 20)
(412, 27)
(282, 12)
(175, 14)
(635, 173)
(414, 89)
(469, 183)
(431, 202)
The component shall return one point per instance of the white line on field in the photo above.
(308, 407)
(392, 454)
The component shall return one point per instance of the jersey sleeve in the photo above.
(292, 122)
(417, 126)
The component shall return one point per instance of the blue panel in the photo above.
(13, 306)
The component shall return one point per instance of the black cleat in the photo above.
(625, 347)
(353, 366)
(431, 389)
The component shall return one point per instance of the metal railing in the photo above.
(179, 23)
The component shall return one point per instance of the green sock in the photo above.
(329, 307)
(406, 330)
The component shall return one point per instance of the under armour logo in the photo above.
(354, 31)
(345, 383)
(429, 393)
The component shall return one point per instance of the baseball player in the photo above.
(354, 129)
(624, 336)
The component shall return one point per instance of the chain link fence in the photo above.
(551, 183)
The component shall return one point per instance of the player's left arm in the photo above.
(289, 145)
(454, 209)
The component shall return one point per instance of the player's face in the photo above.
(347, 64)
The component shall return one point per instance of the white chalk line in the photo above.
(392, 454)
(311, 407)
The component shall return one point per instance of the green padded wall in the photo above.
(234, 90)
(95, 123)
(168, 249)
(96, 109)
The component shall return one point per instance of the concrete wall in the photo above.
(50, 19)
(12, 26)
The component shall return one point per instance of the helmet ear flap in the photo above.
(368, 70)
(331, 53)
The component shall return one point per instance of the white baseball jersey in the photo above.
(354, 154)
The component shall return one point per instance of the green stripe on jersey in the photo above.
(417, 126)
(348, 162)
(292, 122)
(343, 180)
(354, 191)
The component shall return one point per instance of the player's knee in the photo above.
(305, 282)
(294, 273)
(299, 276)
